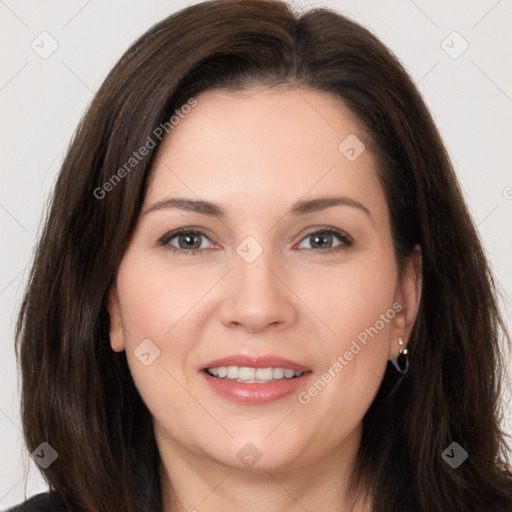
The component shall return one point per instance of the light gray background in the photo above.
(42, 101)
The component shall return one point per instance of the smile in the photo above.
(255, 379)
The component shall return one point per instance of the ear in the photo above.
(116, 325)
(407, 300)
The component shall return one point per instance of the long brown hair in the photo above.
(78, 395)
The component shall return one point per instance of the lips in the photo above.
(246, 393)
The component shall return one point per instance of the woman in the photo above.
(259, 286)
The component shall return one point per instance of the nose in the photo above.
(258, 297)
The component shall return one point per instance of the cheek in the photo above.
(358, 307)
(161, 305)
(353, 300)
(155, 299)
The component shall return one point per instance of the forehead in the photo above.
(265, 146)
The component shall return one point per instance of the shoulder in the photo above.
(45, 502)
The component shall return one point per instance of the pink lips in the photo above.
(254, 393)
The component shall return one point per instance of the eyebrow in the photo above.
(302, 207)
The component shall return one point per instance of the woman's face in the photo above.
(281, 279)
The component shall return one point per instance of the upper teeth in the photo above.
(253, 375)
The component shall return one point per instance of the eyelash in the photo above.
(346, 240)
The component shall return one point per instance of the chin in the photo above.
(257, 456)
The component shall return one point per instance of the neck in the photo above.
(195, 483)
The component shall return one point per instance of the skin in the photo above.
(256, 153)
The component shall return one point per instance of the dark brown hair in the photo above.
(78, 395)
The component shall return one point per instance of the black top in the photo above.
(50, 502)
(45, 502)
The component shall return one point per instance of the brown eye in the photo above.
(188, 241)
(322, 240)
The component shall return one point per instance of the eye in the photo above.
(188, 240)
(323, 237)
